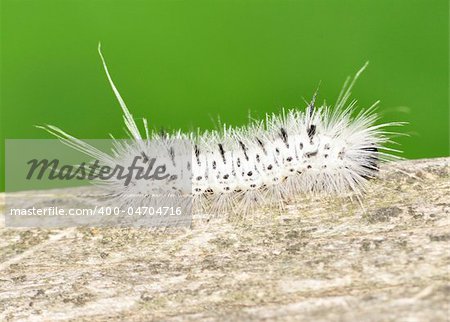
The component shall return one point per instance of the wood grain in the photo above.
(320, 259)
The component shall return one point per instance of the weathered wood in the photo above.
(319, 260)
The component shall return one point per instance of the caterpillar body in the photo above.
(322, 150)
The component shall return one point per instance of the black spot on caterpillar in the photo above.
(284, 136)
(311, 131)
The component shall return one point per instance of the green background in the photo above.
(182, 64)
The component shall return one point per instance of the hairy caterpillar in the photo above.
(320, 150)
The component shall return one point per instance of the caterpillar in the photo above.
(321, 150)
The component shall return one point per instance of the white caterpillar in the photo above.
(321, 150)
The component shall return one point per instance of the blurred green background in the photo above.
(182, 64)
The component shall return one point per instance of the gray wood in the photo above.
(321, 259)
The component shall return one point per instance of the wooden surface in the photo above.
(321, 259)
